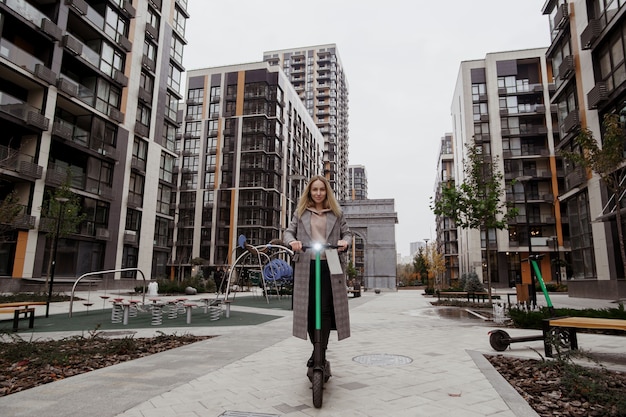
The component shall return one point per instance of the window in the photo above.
(107, 96)
(180, 21)
(173, 78)
(583, 259)
(177, 46)
(153, 18)
(149, 50)
(146, 82)
(169, 136)
(192, 146)
(193, 129)
(143, 114)
(171, 109)
(195, 95)
(115, 25)
(140, 150)
(209, 180)
(133, 220)
(135, 188)
(214, 110)
(190, 163)
(161, 229)
(216, 92)
(479, 90)
(210, 162)
(110, 60)
(167, 167)
(163, 199)
(194, 112)
(611, 61)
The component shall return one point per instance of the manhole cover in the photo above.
(383, 359)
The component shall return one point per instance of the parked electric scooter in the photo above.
(499, 339)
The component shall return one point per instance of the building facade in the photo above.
(90, 90)
(247, 147)
(318, 77)
(447, 232)
(587, 61)
(502, 105)
(357, 182)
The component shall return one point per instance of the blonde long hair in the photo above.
(306, 201)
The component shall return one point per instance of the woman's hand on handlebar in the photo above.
(296, 245)
(343, 245)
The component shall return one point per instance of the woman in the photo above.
(318, 219)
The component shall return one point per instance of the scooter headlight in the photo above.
(317, 247)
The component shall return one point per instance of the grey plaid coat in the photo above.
(300, 229)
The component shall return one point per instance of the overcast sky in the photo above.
(401, 59)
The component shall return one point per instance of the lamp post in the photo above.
(524, 181)
(61, 201)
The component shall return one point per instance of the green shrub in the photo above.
(533, 319)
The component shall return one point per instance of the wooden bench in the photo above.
(563, 330)
(471, 296)
(21, 307)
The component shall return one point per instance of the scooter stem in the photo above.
(318, 291)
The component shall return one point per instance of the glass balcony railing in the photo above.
(83, 93)
(18, 56)
(26, 10)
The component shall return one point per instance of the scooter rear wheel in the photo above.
(499, 340)
(318, 387)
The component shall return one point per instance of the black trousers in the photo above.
(328, 311)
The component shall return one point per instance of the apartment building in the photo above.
(318, 77)
(90, 90)
(446, 230)
(587, 56)
(357, 182)
(247, 148)
(502, 105)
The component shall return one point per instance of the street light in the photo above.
(524, 181)
(61, 201)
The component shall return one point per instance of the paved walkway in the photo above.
(403, 359)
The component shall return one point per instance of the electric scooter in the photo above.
(500, 340)
(320, 372)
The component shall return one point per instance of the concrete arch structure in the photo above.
(374, 221)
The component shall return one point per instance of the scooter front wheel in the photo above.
(318, 387)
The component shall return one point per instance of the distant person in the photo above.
(318, 219)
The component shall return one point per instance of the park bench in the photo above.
(21, 307)
(563, 330)
(469, 295)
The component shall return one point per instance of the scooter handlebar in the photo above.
(319, 246)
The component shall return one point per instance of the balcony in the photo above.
(32, 14)
(561, 17)
(598, 94)
(567, 67)
(80, 6)
(571, 121)
(24, 221)
(590, 33)
(575, 178)
(16, 108)
(25, 60)
(22, 164)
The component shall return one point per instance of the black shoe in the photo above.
(309, 363)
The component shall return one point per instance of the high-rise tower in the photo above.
(317, 74)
